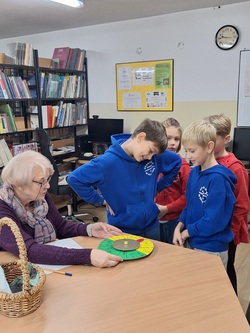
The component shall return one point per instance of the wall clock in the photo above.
(227, 37)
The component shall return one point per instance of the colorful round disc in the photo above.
(122, 248)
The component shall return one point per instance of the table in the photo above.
(173, 290)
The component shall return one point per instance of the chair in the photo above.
(58, 184)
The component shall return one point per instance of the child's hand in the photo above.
(177, 239)
(184, 235)
(163, 210)
(109, 209)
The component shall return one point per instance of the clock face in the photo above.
(226, 37)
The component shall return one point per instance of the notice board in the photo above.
(145, 86)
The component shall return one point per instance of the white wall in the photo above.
(205, 77)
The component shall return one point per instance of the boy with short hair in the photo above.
(239, 225)
(205, 222)
(126, 175)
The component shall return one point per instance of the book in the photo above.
(21, 53)
(2, 126)
(49, 115)
(1, 93)
(34, 122)
(5, 108)
(62, 54)
(5, 152)
(3, 86)
(5, 125)
(45, 116)
(5, 80)
(15, 87)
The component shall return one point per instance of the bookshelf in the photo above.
(16, 101)
(55, 99)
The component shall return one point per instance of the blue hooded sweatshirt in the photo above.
(209, 209)
(128, 186)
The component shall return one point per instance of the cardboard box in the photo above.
(44, 62)
(4, 59)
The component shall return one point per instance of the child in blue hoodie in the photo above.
(126, 175)
(205, 222)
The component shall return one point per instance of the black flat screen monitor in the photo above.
(241, 143)
(100, 130)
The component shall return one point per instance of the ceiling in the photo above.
(26, 17)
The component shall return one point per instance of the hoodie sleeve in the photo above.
(83, 181)
(169, 164)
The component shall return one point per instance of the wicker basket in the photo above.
(29, 299)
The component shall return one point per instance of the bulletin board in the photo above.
(243, 110)
(145, 86)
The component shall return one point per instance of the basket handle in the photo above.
(23, 259)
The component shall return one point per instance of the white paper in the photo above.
(67, 242)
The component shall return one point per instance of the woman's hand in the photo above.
(104, 230)
(102, 259)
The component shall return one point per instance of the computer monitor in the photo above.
(100, 130)
(241, 145)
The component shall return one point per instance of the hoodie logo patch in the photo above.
(149, 168)
(203, 194)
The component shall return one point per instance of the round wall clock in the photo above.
(129, 247)
(227, 37)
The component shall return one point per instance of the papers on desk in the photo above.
(63, 150)
(67, 242)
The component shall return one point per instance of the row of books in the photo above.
(63, 86)
(58, 86)
(22, 53)
(13, 87)
(63, 114)
(68, 58)
(7, 120)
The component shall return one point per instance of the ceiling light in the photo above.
(71, 3)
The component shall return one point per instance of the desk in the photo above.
(174, 290)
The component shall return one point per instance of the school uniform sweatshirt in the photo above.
(174, 197)
(129, 187)
(209, 209)
(240, 217)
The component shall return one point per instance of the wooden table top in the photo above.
(173, 290)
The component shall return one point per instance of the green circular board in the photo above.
(145, 247)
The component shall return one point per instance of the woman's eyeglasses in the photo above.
(42, 184)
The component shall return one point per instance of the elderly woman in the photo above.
(24, 199)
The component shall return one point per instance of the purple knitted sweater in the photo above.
(40, 253)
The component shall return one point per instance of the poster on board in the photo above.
(145, 86)
(243, 108)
